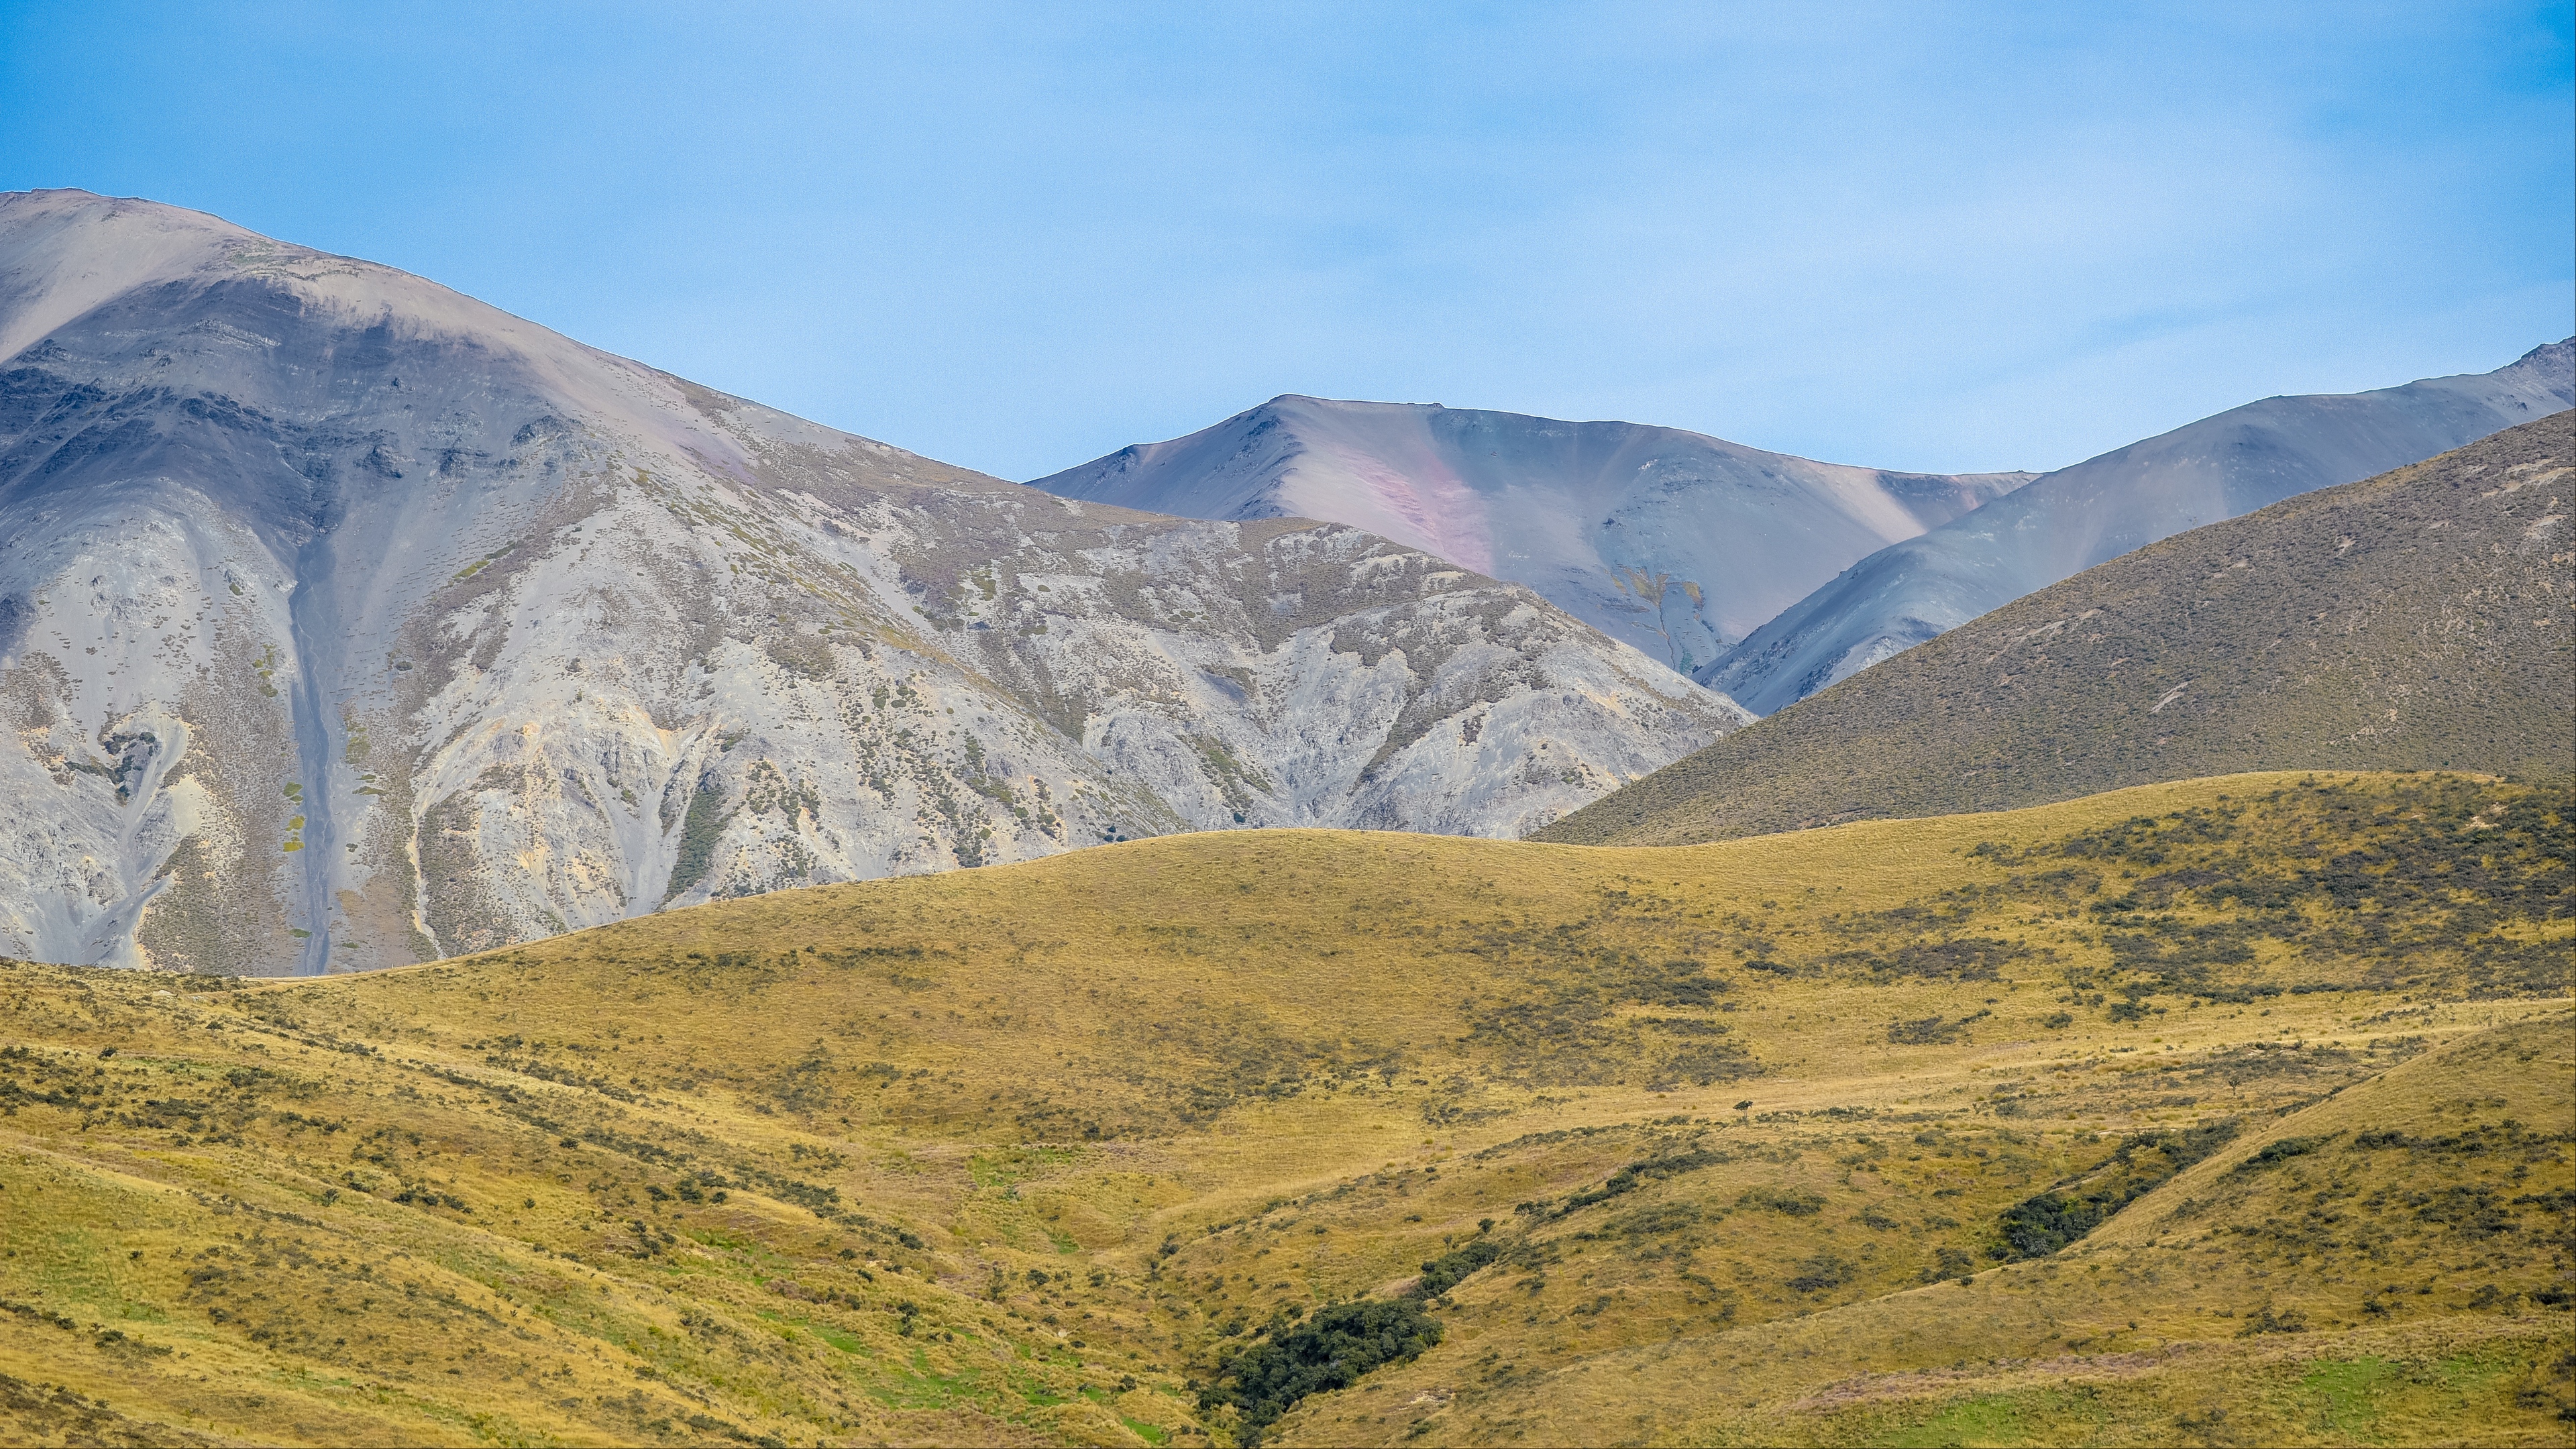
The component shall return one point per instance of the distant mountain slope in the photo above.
(2422, 619)
(1676, 542)
(2072, 519)
(347, 620)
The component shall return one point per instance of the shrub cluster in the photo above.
(1329, 1351)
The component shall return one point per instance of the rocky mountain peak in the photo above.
(347, 621)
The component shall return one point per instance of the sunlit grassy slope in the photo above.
(2386, 1266)
(1029, 1154)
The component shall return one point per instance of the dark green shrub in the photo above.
(1328, 1351)
(2038, 1226)
(2266, 1321)
(1442, 1273)
(1823, 1271)
(2287, 1147)
(1792, 1204)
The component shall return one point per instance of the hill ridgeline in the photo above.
(2219, 467)
(2422, 619)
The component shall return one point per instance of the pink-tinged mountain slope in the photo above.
(1676, 542)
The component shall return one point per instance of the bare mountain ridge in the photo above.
(2422, 619)
(346, 621)
(1678, 543)
(2219, 467)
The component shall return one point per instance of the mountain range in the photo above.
(2099, 509)
(2419, 620)
(1767, 576)
(346, 621)
(1679, 543)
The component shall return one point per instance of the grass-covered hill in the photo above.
(2330, 1277)
(2422, 619)
(1330, 1138)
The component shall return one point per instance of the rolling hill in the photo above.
(2191, 1112)
(346, 621)
(2070, 520)
(1673, 541)
(2417, 620)
(2319, 1280)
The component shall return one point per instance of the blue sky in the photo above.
(1018, 236)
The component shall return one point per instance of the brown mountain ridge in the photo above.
(2416, 620)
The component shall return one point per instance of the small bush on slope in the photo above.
(2038, 1226)
(1330, 1350)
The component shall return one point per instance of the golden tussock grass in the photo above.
(1032, 1153)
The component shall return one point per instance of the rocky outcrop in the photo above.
(345, 622)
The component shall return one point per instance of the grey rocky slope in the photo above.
(2222, 466)
(346, 621)
(1674, 541)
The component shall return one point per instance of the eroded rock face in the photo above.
(345, 622)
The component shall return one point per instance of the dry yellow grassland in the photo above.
(1032, 1154)
(2370, 1269)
